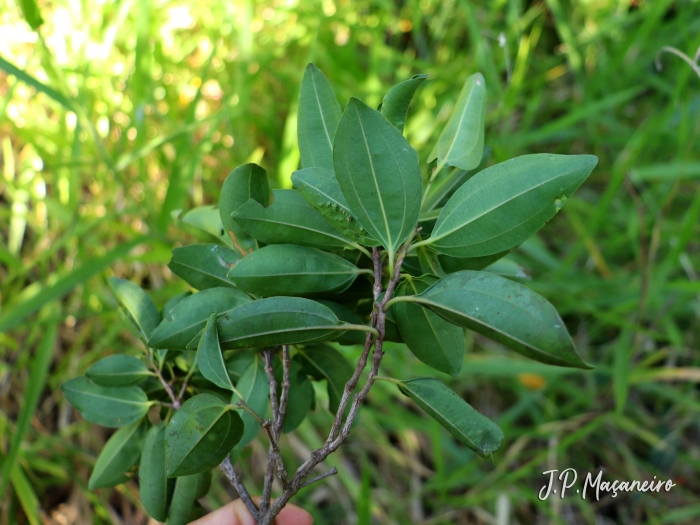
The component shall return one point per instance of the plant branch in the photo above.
(284, 396)
(325, 475)
(236, 481)
(169, 389)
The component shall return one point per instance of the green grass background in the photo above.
(115, 113)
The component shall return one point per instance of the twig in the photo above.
(169, 389)
(273, 451)
(284, 397)
(326, 474)
(236, 481)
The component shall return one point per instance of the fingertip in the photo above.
(293, 515)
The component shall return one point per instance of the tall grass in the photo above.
(113, 115)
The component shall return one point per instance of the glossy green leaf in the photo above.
(254, 388)
(319, 114)
(183, 500)
(429, 262)
(448, 182)
(321, 190)
(116, 462)
(505, 311)
(289, 269)
(186, 320)
(351, 337)
(142, 315)
(106, 405)
(395, 105)
(461, 143)
(467, 425)
(204, 265)
(154, 485)
(507, 268)
(200, 435)
(301, 394)
(203, 222)
(456, 264)
(210, 360)
(378, 173)
(277, 321)
(242, 184)
(325, 362)
(435, 341)
(118, 370)
(505, 204)
(289, 220)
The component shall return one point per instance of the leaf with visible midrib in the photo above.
(289, 269)
(321, 190)
(395, 105)
(118, 370)
(118, 457)
(210, 360)
(467, 425)
(185, 321)
(503, 205)
(318, 117)
(107, 406)
(153, 479)
(505, 311)
(138, 307)
(435, 341)
(242, 184)
(289, 220)
(461, 143)
(255, 390)
(203, 265)
(200, 435)
(378, 173)
(276, 321)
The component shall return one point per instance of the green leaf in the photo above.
(351, 337)
(200, 435)
(378, 173)
(432, 339)
(277, 321)
(320, 188)
(254, 388)
(505, 204)
(391, 330)
(183, 323)
(242, 184)
(288, 220)
(467, 425)
(105, 405)
(319, 114)
(456, 264)
(203, 223)
(429, 262)
(507, 268)
(154, 485)
(204, 265)
(203, 484)
(174, 301)
(325, 362)
(118, 370)
(210, 360)
(142, 315)
(301, 394)
(395, 105)
(461, 143)
(447, 183)
(505, 311)
(116, 462)
(288, 269)
(183, 500)
(32, 15)
(237, 361)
